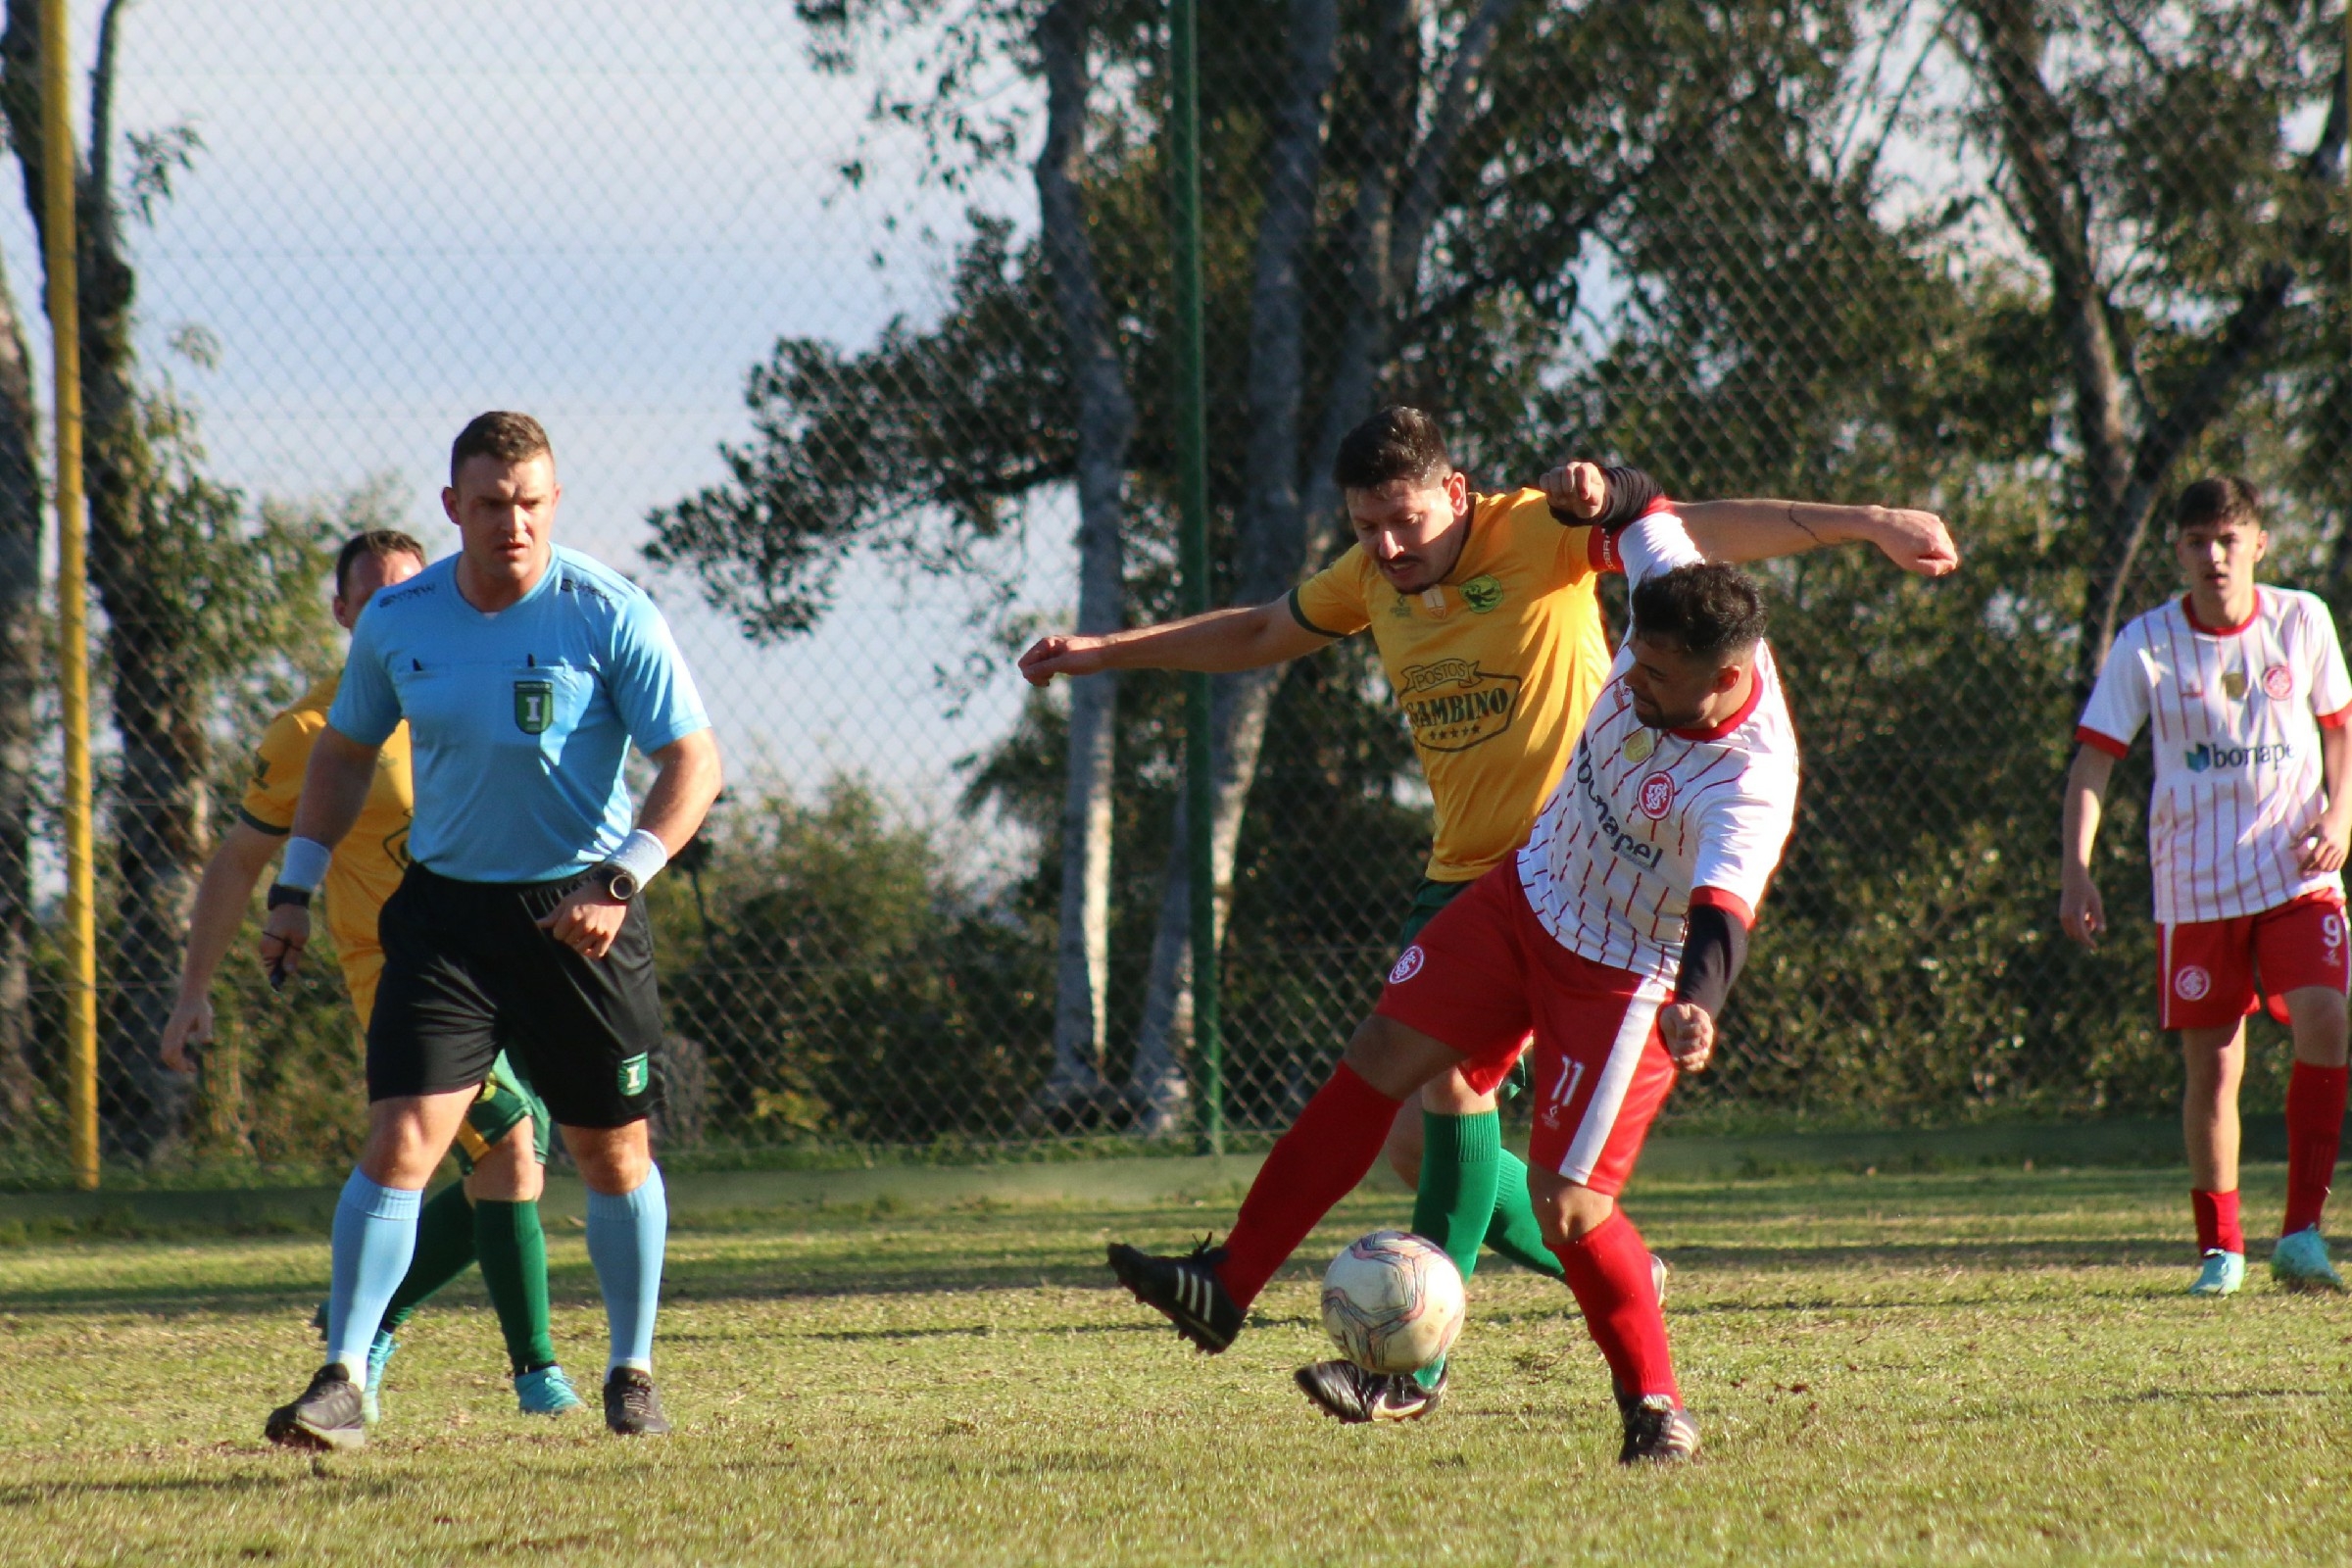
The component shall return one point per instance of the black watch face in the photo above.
(621, 886)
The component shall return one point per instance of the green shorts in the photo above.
(1428, 899)
(506, 1098)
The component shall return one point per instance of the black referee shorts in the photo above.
(466, 971)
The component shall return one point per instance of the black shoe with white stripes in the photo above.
(1186, 1290)
(1658, 1431)
(1348, 1393)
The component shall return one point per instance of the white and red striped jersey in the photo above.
(2234, 714)
(1646, 822)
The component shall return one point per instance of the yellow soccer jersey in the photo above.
(368, 862)
(1495, 668)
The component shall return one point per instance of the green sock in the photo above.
(513, 1252)
(444, 1250)
(1513, 1231)
(1461, 1159)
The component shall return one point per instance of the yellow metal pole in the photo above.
(59, 259)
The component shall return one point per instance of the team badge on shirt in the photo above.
(2277, 683)
(1482, 594)
(534, 705)
(2234, 684)
(1639, 744)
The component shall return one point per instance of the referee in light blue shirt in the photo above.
(525, 672)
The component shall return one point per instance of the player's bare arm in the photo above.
(1751, 529)
(2081, 914)
(683, 789)
(238, 863)
(1217, 643)
(334, 787)
(2323, 851)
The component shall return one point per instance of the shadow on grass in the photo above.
(28, 1494)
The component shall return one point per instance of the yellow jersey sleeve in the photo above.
(278, 766)
(1333, 603)
(1572, 550)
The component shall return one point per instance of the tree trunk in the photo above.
(2123, 478)
(1105, 421)
(1272, 547)
(1386, 260)
(159, 809)
(22, 640)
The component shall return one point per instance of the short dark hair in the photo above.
(1396, 443)
(507, 437)
(377, 542)
(2224, 498)
(1712, 608)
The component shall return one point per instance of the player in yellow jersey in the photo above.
(1484, 614)
(492, 1216)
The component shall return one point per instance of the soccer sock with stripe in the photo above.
(375, 1235)
(514, 1254)
(1513, 1229)
(2315, 1127)
(444, 1250)
(1461, 1159)
(626, 1235)
(1313, 1166)
(2217, 1230)
(1608, 1270)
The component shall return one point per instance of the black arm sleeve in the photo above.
(1714, 946)
(1631, 492)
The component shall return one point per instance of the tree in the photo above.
(22, 649)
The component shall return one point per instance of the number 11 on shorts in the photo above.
(1572, 1073)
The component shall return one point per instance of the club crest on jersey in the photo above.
(1639, 744)
(2234, 684)
(534, 705)
(2277, 683)
(2190, 982)
(1482, 594)
(1657, 795)
(1409, 964)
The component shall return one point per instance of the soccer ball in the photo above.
(1393, 1301)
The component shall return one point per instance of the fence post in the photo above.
(60, 258)
(1191, 489)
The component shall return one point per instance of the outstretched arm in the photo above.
(1220, 641)
(1766, 530)
(2081, 914)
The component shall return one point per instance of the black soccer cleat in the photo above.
(1658, 1431)
(1185, 1289)
(1348, 1393)
(632, 1407)
(326, 1416)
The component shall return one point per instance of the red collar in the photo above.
(1716, 732)
(2189, 610)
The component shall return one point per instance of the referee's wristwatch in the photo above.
(281, 893)
(618, 882)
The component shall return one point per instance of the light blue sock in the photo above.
(625, 1238)
(375, 1236)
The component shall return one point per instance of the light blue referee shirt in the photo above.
(519, 721)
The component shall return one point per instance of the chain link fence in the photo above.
(850, 324)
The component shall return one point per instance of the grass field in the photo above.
(1927, 1368)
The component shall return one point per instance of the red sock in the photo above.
(1313, 1166)
(1608, 1269)
(2217, 1221)
(2314, 1125)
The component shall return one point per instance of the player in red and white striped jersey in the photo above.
(1613, 935)
(2244, 690)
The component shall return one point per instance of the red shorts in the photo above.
(2207, 971)
(1485, 972)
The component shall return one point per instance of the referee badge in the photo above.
(534, 705)
(634, 1074)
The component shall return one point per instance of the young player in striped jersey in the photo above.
(1614, 935)
(1484, 612)
(2245, 695)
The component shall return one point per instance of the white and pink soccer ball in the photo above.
(1393, 1301)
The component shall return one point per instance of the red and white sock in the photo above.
(2314, 1126)
(1608, 1269)
(1328, 1150)
(2217, 1230)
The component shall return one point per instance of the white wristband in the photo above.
(641, 854)
(305, 864)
